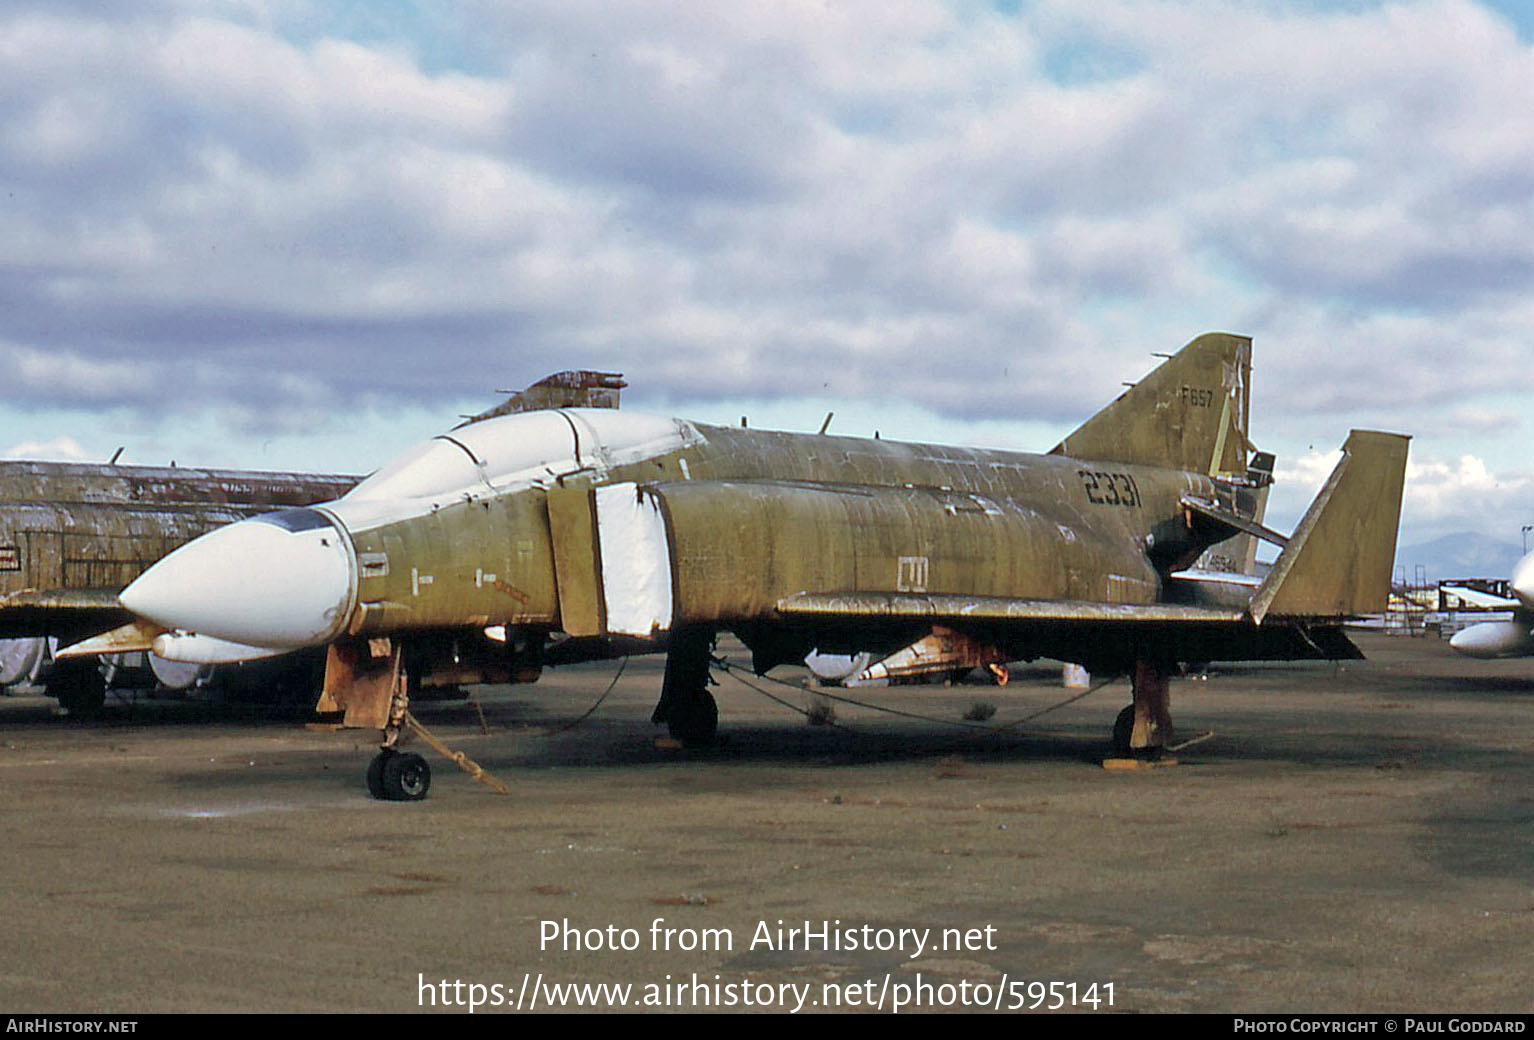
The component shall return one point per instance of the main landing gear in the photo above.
(1144, 729)
(686, 707)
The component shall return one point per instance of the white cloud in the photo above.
(50, 375)
(1464, 493)
(59, 449)
(236, 207)
(1443, 495)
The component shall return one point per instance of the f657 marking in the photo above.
(1197, 396)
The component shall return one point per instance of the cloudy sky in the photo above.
(289, 234)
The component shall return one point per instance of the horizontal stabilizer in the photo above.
(1207, 577)
(1338, 561)
(1235, 521)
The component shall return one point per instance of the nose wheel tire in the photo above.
(398, 776)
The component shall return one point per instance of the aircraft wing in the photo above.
(73, 534)
(72, 612)
(1092, 634)
(907, 606)
(62, 600)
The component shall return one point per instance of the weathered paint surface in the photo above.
(762, 515)
(807, 540)
(853, 541)
(73, 534)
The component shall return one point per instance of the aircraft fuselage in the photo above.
(962, 521)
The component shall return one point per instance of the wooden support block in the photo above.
(1138, 763)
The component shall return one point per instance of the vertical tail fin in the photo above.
(1338, 561)
(1189, 413)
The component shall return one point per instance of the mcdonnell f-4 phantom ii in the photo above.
(590, 533)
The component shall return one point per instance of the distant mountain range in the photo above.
(1462, 555)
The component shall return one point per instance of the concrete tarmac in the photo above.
(1352, 838)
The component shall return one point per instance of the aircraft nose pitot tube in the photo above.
(282, 581)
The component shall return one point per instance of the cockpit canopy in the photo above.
(521, 448)
(296, 520)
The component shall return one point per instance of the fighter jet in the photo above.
(1513, 638)
(584, 533)
(72, 534)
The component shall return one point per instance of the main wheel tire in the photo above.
(1123, 731)
(695, 723)
(406, 777)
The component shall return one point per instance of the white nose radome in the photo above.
(284, 581)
